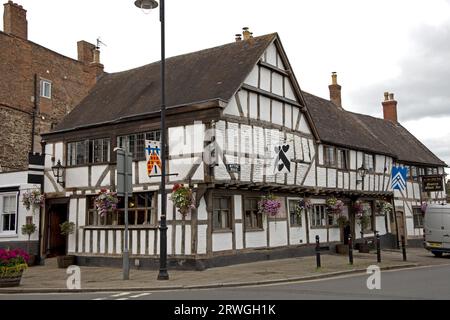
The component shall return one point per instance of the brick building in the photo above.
(38, 87)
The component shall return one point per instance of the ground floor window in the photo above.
(221, 213)
(418, 217)
(318, 216)
(8, 221)
(295, 219)
(253, 219)
(141, 211)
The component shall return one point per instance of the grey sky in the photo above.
(400, 46)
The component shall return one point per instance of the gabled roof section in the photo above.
(207, 75)
(362, 132)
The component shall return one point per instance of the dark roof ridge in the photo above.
(273, 34)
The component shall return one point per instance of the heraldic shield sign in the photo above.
(153, 157)
(399, 175)
(282, 163)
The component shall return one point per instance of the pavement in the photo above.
(50, 279)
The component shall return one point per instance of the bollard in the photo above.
(350, 249)
(318, 251)
(378, 247)
(404, 248)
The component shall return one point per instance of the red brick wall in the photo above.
(20, 61)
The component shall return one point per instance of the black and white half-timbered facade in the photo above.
(239, 128)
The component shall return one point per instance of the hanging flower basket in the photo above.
(386, 208)
(33, 200)
(302, 206)
(335, 206)
(183, 199)
(106, 201)
(358, 208)
(269, 205)
(12, 265)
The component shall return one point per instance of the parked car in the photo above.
(437, 229)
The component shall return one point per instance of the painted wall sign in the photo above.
(432, 183)
(153, 157)
(282, 163)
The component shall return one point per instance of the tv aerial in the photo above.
(100, 43)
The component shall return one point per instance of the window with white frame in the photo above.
(8, 222)
(135, 143)
(46, 89)
(417, 217)
(296, 220)
(369, 162)
(318, 216)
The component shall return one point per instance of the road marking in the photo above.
(120, 294)
(141, 295)
(122, 299)
(99, 299)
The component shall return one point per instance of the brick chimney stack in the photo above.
(15, 20)
(247, 34)
(86, 52)
(335, 91)
(390, 107)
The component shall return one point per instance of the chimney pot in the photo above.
(246, 33)
(238, 37)
(335, 91)
(15, 20)
(391, 96)
(386, 96)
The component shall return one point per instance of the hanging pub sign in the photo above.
(432, 183)
(153, 157)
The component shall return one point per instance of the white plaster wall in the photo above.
(253, 107)
(288, 116)
(256, 239)
(332, 178)
(202, 236)
(87, 241)
(304, 126)
(353, 160)
(102, 241)
(119, 242)
(77, 177)
(320, 154)
(252, 78)
(278, 234)
(380, 225)
(243, 97)
(59, 147)
(202, 214)
(178, 238)
(321, 232)
(277, 84)
(94, 241)
(271, 55)
(277, 112)
(379, 163)
(321, 177)
(335, 234)
(264, 107)
(239, 236)
(295, 114)
(96, 172)
(265, 79)
(222, 241)
(151, 243)
(311, 177)
(231, 109)
(110, 248)
(289, 91)
(187, 240)
(72, 218)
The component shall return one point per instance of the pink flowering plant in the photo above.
(423, 207)
(33, 199)
(12, 262)
(183, 199)
(269, 205)
(335, 206)
(106, 201)
(358, 208)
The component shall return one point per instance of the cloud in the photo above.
(422, 86)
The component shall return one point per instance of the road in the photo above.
(418, 283)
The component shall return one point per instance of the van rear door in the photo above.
(446, 231)
(434, 224)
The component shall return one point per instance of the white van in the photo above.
(437, 229)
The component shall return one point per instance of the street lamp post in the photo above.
(148, 5)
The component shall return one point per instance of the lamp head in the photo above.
(146, 4)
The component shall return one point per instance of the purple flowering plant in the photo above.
(269, 205)
(302, 205)
(105, 201)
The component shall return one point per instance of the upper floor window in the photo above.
(46, 89)
(8, 221)
(135, 143)
(329, 156)
(369, 162)
(88, 151)
(342, 159)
